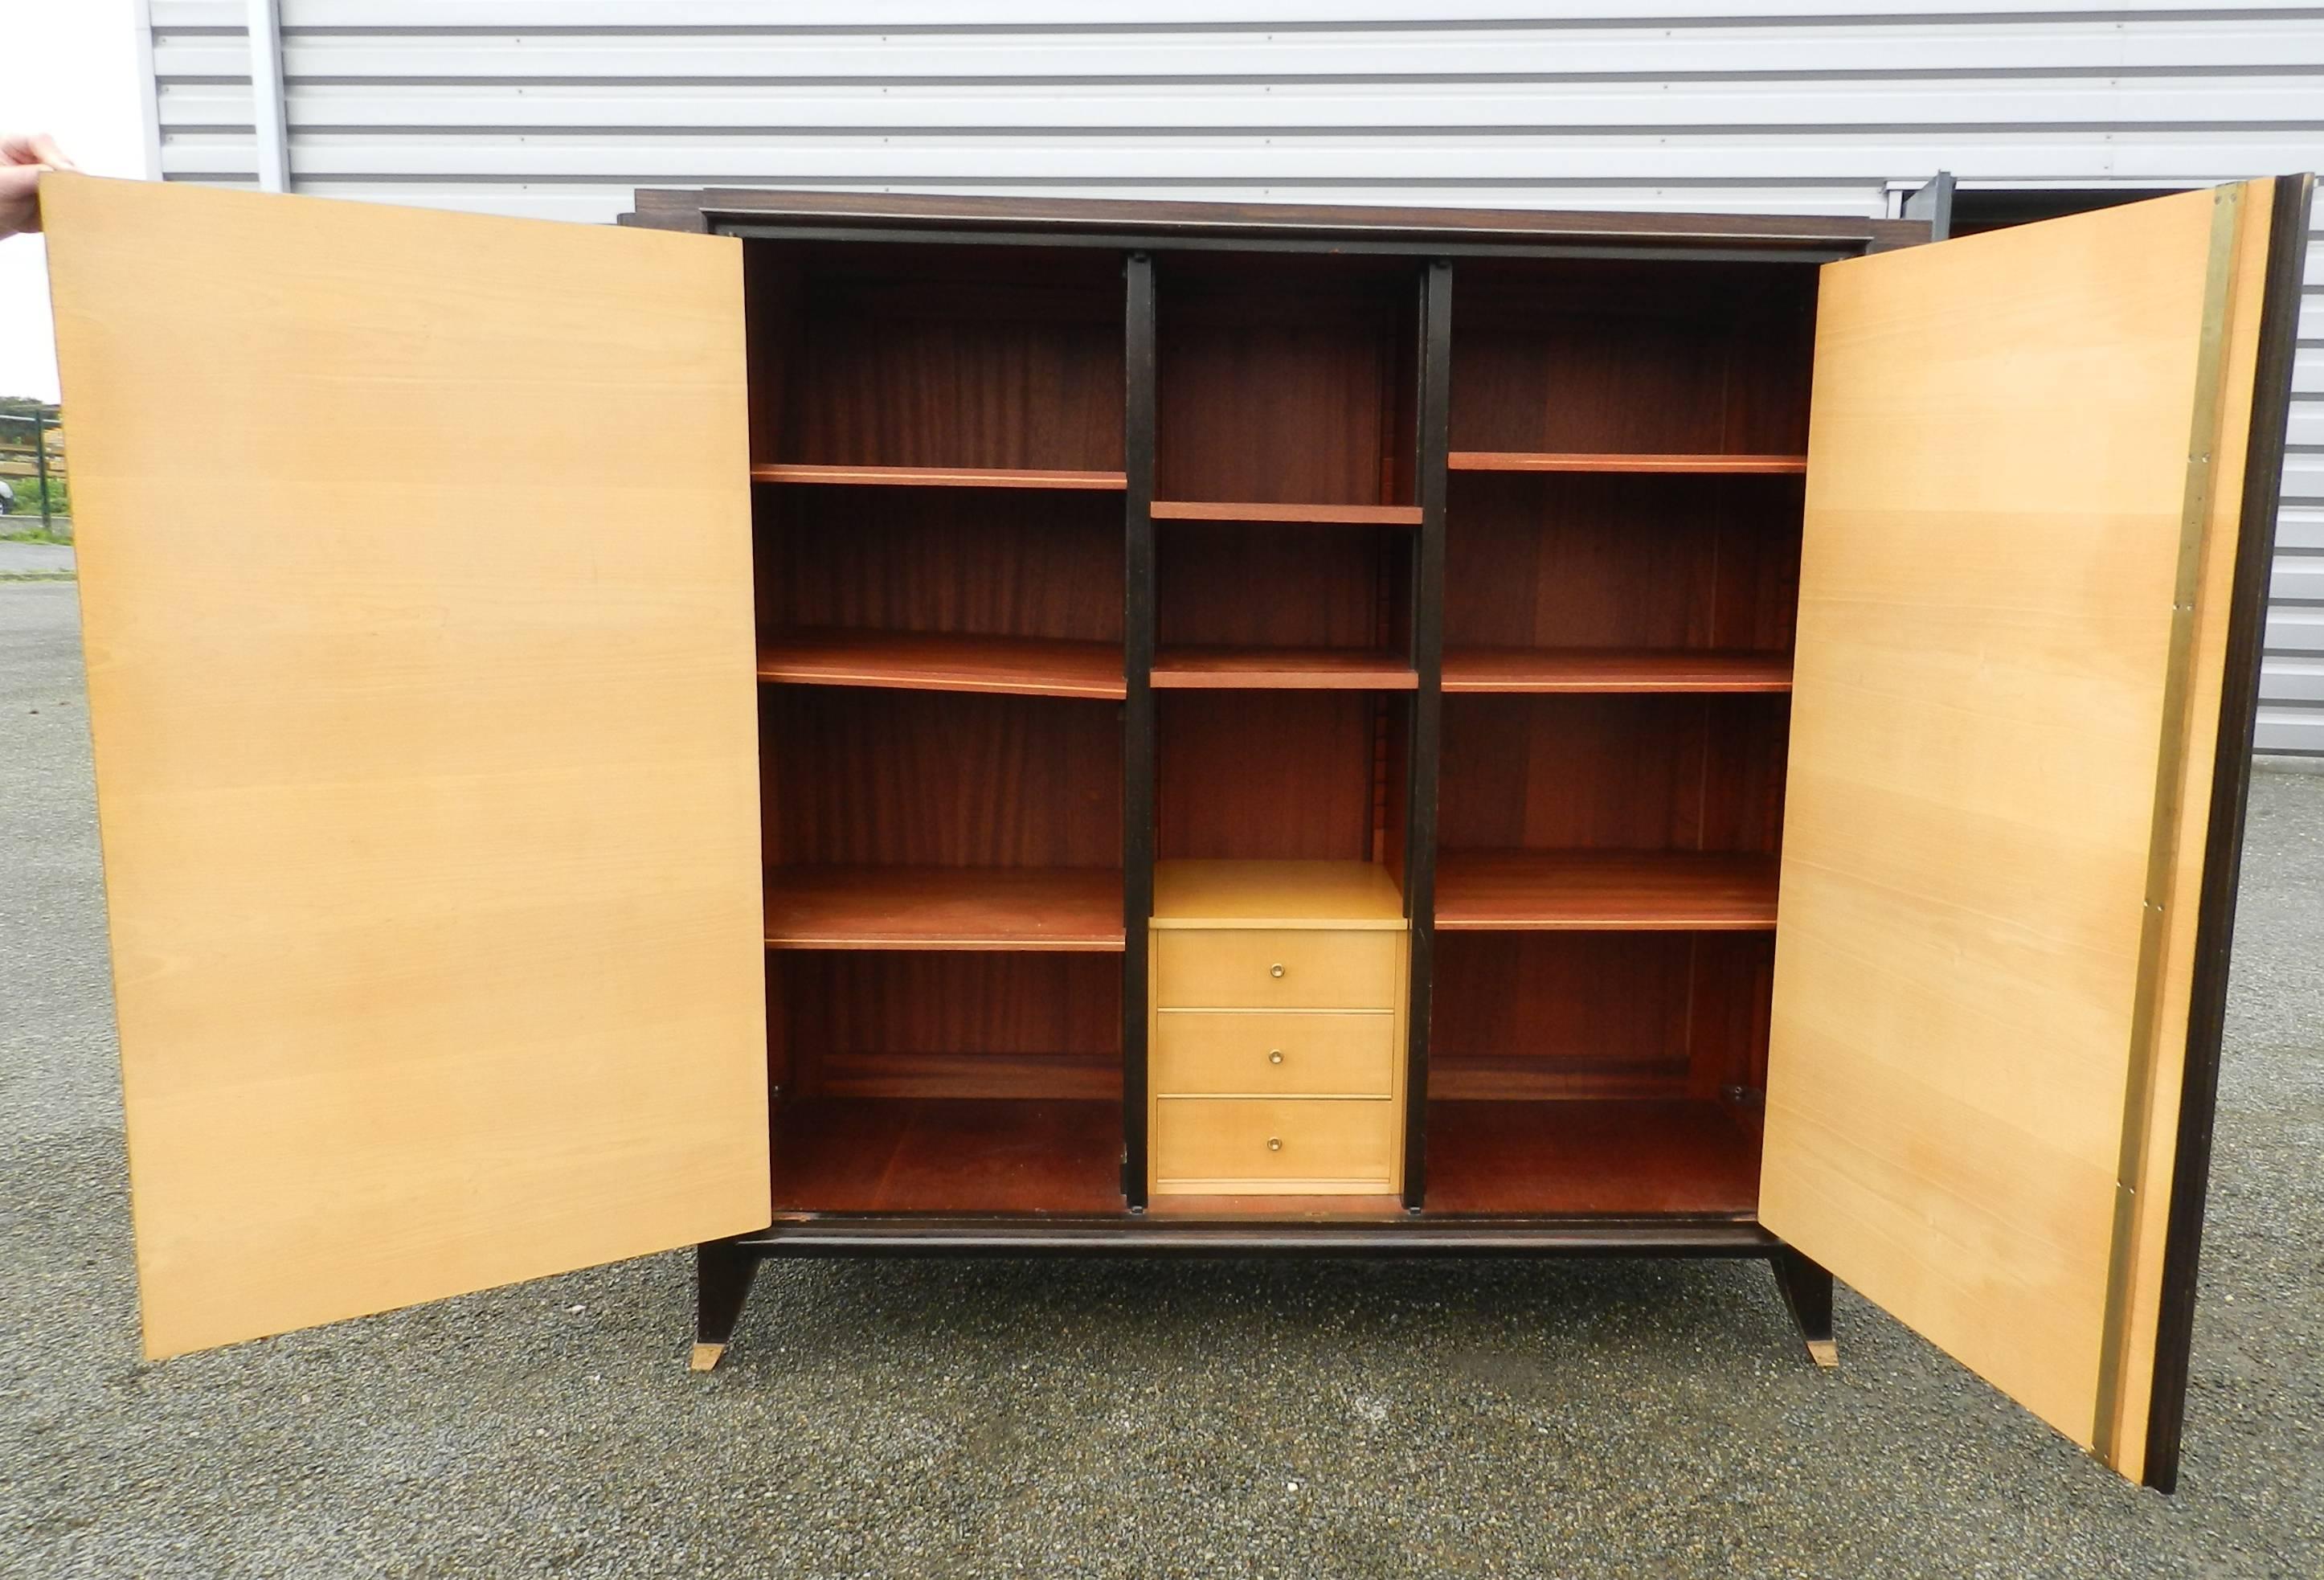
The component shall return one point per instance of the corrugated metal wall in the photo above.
(559, 107)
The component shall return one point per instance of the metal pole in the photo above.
(267, 112)
(41, 451)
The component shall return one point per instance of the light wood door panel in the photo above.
(426, 742)
(2025, 456)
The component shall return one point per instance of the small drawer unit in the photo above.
(1276, 1025)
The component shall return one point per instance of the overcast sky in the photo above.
(70, 68)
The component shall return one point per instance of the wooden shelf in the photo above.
(944, 908)
(1602, 669)
(1278, 669)
(938, 476)
(1014, 666)
(1604, 891)
(1555, 461)
(1578, 1156)
(947, 1155)
(1351, 515)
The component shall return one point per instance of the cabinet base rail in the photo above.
(723, 1268)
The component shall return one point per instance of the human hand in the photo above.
(24, 158)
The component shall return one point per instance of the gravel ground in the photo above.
(1138, 1418)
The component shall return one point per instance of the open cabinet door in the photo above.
(2029, 597)
(415, 565)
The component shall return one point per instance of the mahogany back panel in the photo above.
(1268, 775)
(1631, 561)
(874, 1023)
(1521, 1016)
(991, 562)
(939, 778)
(1586, 355)
(1651, 773)
(1284, 378)
(904, 356)
(1235, 585)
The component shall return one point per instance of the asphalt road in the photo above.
(1136, 1418)
(34, 561)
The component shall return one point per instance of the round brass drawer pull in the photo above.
(1275, 1056)
(1274, 1143)
(1274, 971)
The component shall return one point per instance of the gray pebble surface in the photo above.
(1142, 1417)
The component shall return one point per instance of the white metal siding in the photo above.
(2291, 674)
(558, 109)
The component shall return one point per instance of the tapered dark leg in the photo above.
(722, 1278)
(1807, 1293)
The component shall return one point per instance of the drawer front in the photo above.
(1301, 1053)
(1282, 1143)
(1266, 968)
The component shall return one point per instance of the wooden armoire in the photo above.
(828, 724)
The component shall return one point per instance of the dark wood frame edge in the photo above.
(1433, 442)
(1094, 219)
(1141, 747)
(1143, 1235)
(2223, 845)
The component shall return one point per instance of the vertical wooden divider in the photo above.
(1139, 765)
(1434, 441)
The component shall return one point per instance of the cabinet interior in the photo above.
(1286, 450)
(936, 446)
(940, 444)
(1622, 538)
